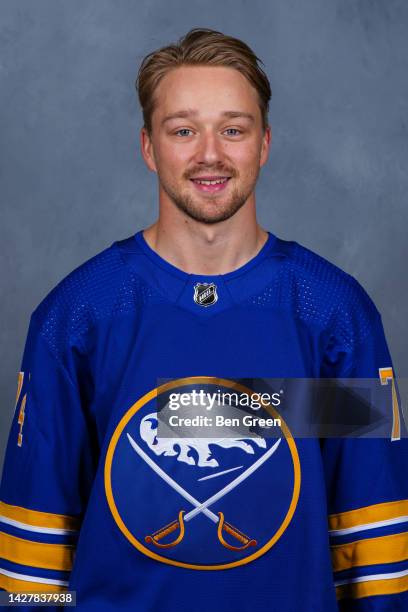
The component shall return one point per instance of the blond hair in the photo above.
(201, 46)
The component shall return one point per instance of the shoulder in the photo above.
(320, 292)
(89, 293)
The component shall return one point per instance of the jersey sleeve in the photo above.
(367, 482)
(47, 473)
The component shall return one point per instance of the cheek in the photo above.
(245, 159)
(243, 155)
(173, 159)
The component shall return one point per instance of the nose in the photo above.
(209, 149)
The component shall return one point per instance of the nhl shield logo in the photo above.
(205, 294)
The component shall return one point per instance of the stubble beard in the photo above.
(207, 209)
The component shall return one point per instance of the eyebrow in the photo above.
(182, 114)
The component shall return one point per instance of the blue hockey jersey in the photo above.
(94, 501)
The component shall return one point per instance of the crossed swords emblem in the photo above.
(201, 507)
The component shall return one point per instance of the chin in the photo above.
(209, 218)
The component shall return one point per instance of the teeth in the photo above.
(217, 182)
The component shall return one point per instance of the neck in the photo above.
(207, 249)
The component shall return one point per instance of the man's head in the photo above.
(205, 107)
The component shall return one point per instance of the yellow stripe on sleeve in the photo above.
(36, 554)
(14, 585)
(356, 590)
(35, 518)
(368, 514)
(370, 551)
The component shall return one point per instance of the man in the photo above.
(92, 497)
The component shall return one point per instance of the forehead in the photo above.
(208, 89)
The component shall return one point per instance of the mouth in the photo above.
(210, 184)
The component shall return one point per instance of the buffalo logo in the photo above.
(201, 446)
(200, 502)
(205, 294)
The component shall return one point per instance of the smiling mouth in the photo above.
(219, 180)
(210, 185)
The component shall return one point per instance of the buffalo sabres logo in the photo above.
(205, 294)
(199, 503)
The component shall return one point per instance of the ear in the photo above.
(266, 143)
(146, 147)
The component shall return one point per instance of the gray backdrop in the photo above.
(73, 180)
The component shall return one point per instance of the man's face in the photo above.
(194, 138)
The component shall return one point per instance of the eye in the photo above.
(182, 130)
(233, 130)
